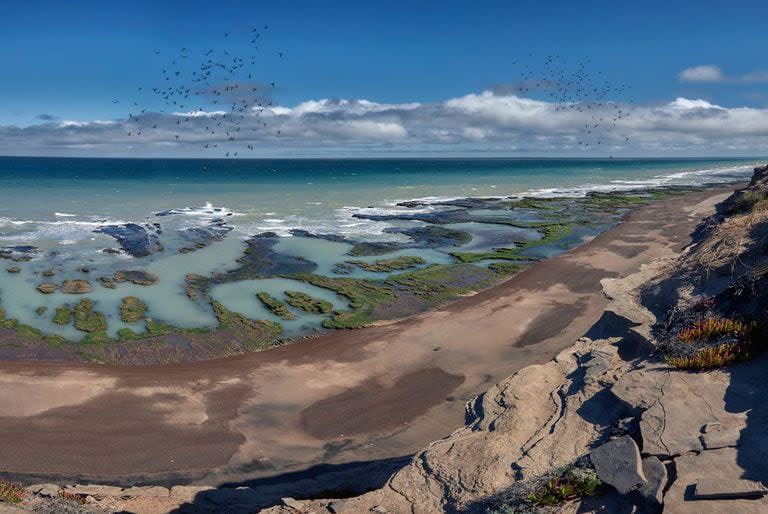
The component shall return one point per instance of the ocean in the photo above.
(57, 206)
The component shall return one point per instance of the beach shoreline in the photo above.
(346, 396)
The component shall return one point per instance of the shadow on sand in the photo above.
(321, 481)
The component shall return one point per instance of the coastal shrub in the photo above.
(572, 484)
(10, 492)
(543, 493)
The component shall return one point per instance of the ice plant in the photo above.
(711, 327)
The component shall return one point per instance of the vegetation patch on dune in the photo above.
(275, 306)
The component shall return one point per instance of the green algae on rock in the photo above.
(275, 306)
(306, 303)
(387, 265)
(63, 315)
(132, 309)
(88, 320)
(138, 277)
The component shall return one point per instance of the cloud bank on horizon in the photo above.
(488, 122)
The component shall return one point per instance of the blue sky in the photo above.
(71, 59)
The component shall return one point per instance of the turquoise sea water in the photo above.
(56, 204)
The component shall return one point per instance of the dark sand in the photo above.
(347, 396)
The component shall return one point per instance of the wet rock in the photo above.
(433, 236)
(134, 239)
(618, 463)
(76, 286)
(138, 277)
(656, 473)
(47, 288)
(19, 253)
(200, 237)
(14, 269)
(48, 273)
(107, 282)
(260, 260)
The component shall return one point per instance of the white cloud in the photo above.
(476, 122)
(711, 73)
(707, 73)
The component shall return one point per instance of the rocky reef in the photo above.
(134, 239)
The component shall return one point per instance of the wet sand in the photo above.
(346, 396)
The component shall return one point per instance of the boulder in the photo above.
(76, 286)
(138, 277)
(618, 463)
(656, 473)
(46, 288)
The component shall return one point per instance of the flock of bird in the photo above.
(215, 100)
(578, 91)
(212, 92)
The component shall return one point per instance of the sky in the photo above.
(390, 78)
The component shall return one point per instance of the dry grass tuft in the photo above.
(10, 492)
(723, 248)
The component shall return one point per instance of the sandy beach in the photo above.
(346, 396)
